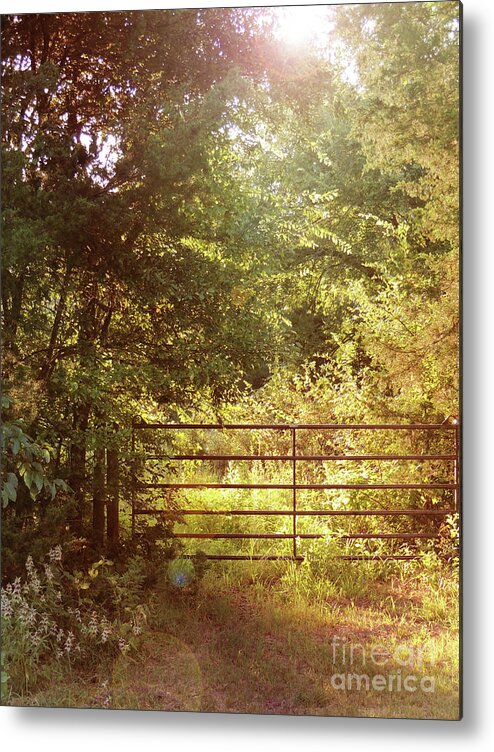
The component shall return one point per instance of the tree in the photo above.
(406, 63)
(105, 146)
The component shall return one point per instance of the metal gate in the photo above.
(451, 486)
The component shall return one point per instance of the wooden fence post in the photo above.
(113, 504)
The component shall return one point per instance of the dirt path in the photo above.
(236, 653)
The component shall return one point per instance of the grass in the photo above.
(259, 638)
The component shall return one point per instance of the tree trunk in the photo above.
(113, 481)
(49, 362)
(14, 287)
(82, 411)
(77, 476)
(99, 497)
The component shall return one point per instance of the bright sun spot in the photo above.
(302, 25)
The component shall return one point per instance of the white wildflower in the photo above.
(105, 630)
(105, 635)
(44, 623)
(69, 642)
(35, 583)
(93, 624)
(31, 616)
(7, 610)
(55, 554)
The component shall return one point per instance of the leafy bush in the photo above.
(449, 543)
(50, 622)
(25, 464)
(36, 505)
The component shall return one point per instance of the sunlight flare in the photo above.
(300, 25)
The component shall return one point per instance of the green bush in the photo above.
(53, 621)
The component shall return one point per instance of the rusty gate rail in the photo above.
(294, 486)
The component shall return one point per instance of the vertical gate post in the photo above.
(113, 496)
(294, 483)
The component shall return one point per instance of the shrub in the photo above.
(47, 624)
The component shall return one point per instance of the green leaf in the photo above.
(38, 480)
(11, 491)
(12, 479)
(50, 488)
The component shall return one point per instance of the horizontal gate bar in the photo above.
(302, 486)
(364, 557)
(297, 457)
(246, 557)
(308, 536)
(301, 512)
(302, 426)
(256, 557)
(250, 536)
